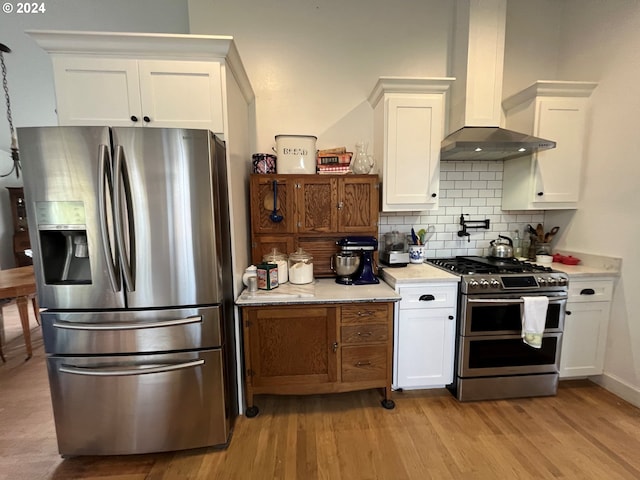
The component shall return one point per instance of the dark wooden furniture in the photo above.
(317, 211)
(317, 348)
(20, 228)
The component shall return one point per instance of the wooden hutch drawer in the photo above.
(365, 333)
(364, 363)
(366, 313)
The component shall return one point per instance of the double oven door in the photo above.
(490, 336)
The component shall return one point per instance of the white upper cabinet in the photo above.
(154, 80)
(550, 179)
(409, 119)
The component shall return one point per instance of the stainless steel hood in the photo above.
(490, 143)
(476, 96)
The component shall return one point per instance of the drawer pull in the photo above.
(366, 313)
(587, 291)
(363, 364)
(427, 298)
(364, 334)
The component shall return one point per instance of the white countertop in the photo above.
(417, 273)
(591, 265)
(322, 290)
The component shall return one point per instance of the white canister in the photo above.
(296, 154)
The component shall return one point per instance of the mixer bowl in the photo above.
(345, 263)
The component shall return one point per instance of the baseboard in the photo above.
(615, 385)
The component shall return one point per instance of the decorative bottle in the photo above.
(361, 162)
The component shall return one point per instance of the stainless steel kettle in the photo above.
(500, 249)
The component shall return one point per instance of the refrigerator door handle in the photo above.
(126, 326)
(139, 370)
(118, 193)
(105, 175)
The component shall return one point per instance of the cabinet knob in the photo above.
(146, 119)
(540, 194)
(568, 312)
(340, 205)
(434, 195)
(335, 346)
(134, 118)
(451, 317)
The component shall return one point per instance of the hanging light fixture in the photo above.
(15, 156)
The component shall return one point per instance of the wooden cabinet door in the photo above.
(291, 346)
(317, 204)
(263, 244)
(358, 204)
(181, 94)
(262, 188)
(97, 91)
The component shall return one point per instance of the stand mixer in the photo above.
(354, 262)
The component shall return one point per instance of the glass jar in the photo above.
(361, 162)
(543, 249)
(300, 267)
(280, 259)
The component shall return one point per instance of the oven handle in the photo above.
(513, 300)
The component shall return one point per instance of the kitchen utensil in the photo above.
(414, 237)
(275, 217)
(500, 249)
(550, 234)
(425, 235)
(540, 232)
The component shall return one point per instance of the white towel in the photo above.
(534, 316)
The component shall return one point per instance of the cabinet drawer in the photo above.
(364, 363)
(366, 313)
(595, 291)
(365, 333)
(428, 297)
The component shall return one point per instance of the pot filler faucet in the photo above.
(471, 224)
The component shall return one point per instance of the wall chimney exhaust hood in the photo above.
(476, 95)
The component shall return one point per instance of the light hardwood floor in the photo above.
(582, 433)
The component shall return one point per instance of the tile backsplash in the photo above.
(472, 188)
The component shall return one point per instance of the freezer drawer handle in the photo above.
(111, 372)
(126, 326)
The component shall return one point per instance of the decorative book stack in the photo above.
(334, 161)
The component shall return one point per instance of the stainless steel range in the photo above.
(492, 361)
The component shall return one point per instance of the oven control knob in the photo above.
(484, 283)
(495, 283)
(551, 281)
(541, 281)
(473, 284)
(562, 282)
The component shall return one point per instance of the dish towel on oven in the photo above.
(534, 316)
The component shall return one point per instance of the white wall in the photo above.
(30, 78)
(601, 43)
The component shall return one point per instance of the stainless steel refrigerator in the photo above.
(131, 245)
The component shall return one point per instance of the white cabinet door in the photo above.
(411, 158)
(558, 170)
(584, 339)
(424, 348)
(96, 91)
(550, 179)
(181, 94)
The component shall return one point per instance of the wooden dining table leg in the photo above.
(23, 310)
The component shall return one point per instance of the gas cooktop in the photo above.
(492, 274)
(479, 265)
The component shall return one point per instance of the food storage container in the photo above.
(296, 154)
(279, 259)
(300, 267)
(267, 276)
